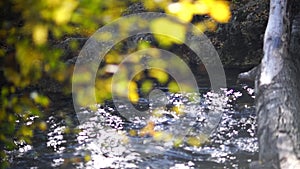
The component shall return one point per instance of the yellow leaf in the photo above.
(220, 12)
(210, 25)
(183, 10)
(197, 140)
(52, 3)
(43, 126)
(139, 76)
(104, 36)
(133, 96)
(150, 5)
(174, 8)
(82, 77)
(160, 75)
(146, 86)
(87, 158)
(12, 76)
(178, 110)
(193, 141)
(207, 25)
(63, 13)
(120, 87)
(132, 86)
(148, 129)
(25, 131)
(158, 63)
(162, 136)
(158, 135)
(85, 97)
(173, 87)
(201, 26)
(132, 132)
(177, 142)
(40, 34)
(167, 31)
(200, 8)
(143, 45)
(113, 58)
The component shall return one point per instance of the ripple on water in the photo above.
(103, 140)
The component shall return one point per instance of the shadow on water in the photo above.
(106, 140)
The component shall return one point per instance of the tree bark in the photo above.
(278, 90)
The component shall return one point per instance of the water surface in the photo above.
(107, 140)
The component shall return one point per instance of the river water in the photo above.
(106, 140)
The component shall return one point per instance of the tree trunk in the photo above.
(278, 90)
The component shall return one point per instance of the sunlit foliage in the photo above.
(30, 32)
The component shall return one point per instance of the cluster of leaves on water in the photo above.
(29, 32)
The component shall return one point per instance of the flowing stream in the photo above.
(106, 140)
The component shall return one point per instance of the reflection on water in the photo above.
(105, 139)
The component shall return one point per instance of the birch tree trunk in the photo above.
(278, 89)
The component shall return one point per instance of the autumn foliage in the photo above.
(29, 30)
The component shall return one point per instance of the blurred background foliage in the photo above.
(31, 33)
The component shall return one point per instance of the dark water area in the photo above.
(105, 140)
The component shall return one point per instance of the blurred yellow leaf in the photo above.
(148, 129)
(143, 45)
(2, 51)
(43, 126)
(220, 12)
(178, 110)
(29, 60)
(87, 158)
(147, 85)
(52, 3)
(186, 9)
(102, 95)
(173, 87)
(133, 96)
(177, 142)
(201, 8)
(210, 25)
(132, 89)
(121, 87)
(26, 131)
(104, 36)
(159, 63)
(82, 77)
(160, 75)
(158, 135)
(139, 76)
(63, 13)
(197, 140)
(40, 34)
(42, 100)
(113, 58)
(183, 10)
(2, 116)
(162, 136)
(169, 31)
(132, 132)
(193, 141)
(132, 86)
(84, 97)
(150, 4)
(12, 76)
